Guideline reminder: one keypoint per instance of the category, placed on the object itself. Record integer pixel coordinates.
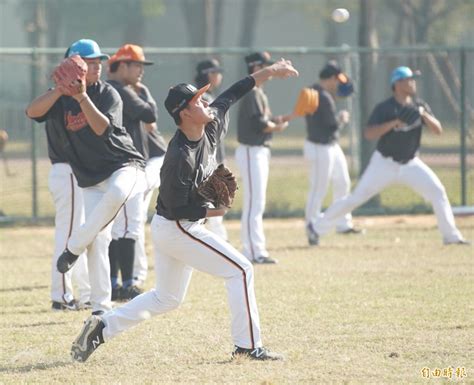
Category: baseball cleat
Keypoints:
(117, 293)
(458, 242)
(351, 230)
(98, 312)
(260, 354)
(63, 306)
(88, 340)
(313, 237)
(130, 292)
(66, 261)
(264, 261)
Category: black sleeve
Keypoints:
(146, 95)
(136, 108)
(225, 100)
(255, 111)
(377, 116)
(111, 105)
(328, 108)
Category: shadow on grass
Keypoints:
(26, 311)
(36, 324)
(33, 367)
(23, 288)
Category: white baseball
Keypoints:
(340, 15)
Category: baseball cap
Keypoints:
(403, 72)
(87, 49)
(208, 66)
(130, 52)
(258, 58)
(331, 69)
(180, 96)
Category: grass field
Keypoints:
(375, 308)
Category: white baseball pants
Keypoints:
(102, 203)
(254, 165)
(69, 215)
(152, 175)
(179, 247)
(216, 225)
(382, 172)
(327, 165)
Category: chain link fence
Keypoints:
(447, 84)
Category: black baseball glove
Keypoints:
(409, 114)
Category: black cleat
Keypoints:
(63, 306)
(117, 293)
(260, 354)
(66, 261)
(313, 237)
(130, 292)
(351, 230)
(264, 261)
(98, 312)
(88, 340)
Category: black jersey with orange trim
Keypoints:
(93, 158)
(187, 163)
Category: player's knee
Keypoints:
(170, 302)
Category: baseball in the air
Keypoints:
(340, 15)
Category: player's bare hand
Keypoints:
(150, 127)
(343, 116)
(281, 126)
(284, 69)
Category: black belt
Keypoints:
(401, 161)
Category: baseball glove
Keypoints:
(70, 76)
(219, 188)
(409, 114)
(307, 103)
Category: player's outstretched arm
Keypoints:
(96, 119)
(43, 103)
(281, 69)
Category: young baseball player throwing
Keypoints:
(397, 124)
(190, 174)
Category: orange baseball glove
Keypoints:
(307, 103)
(70, 76)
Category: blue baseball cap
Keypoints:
(87, 49)
(401, 73)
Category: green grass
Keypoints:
(376, 308)
(286, 193)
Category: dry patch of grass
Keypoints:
(373, 308)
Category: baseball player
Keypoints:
(255, 128)
(397, 124)
(321, 149)
(69, 215)
(88, 116)
(210, 72)
(126, 69)
(181, 241)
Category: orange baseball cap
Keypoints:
(130, 52)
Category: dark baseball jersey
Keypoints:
(187, 163)
(155, 142)
(399, 145)
(56, 139)
(253, 117)
(322, 127)
(136, 111)
(220, 153)
(93, 158)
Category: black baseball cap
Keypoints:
(332, 69)
(258, 58)
(180, 96)
(208, 66)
